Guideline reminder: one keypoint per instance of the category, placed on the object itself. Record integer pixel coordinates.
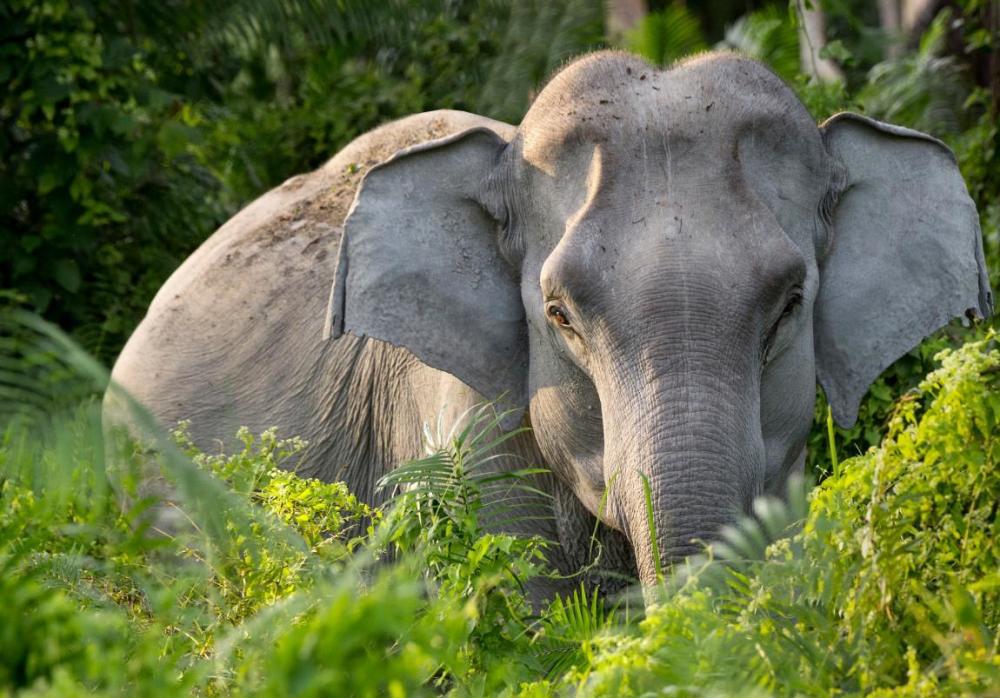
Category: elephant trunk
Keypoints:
(684, 456)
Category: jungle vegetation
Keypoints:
(131, 130)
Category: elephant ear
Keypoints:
(420, 267)
(906, 255)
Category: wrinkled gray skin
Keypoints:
(653, 268)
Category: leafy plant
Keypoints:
(103, 182)
(665, 36)
(924, 89)
(439, 514)
(887, 583)
(769, 36)
(244, 585)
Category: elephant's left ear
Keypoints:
(906, 255)
(420, 267)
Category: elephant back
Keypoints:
(234, 337)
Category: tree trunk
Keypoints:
(890, 16)
(621, 16)
(812, 39)
(912, 12)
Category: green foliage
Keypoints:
(316, 510)
(103, 187)
(291, 109)
(877, 406)
(389, 640)
(924, 89)
(252, 587)
(916, 519)
(978, 153)
(768, 36)
(887, 584)
(569, 626)
(437, 515)
(50, 646)
(665, 36)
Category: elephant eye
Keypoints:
(793, 302)
(557, 314)
(781, 333)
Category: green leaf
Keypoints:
(665, 36)
(66, 272)
(837, 51)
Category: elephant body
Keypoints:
(650, 271)
(235, 338)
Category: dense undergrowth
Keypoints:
(265, 583)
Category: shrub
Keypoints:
(243, 592)
(102, 185)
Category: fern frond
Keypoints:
(665, 36)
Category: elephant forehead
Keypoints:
(704, 105)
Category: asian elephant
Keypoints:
(652, 270)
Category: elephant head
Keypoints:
(658, 266)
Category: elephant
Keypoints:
(652, 272)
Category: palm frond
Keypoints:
(729, 562)
(535, 38)
(464, 468)
(665, 36)
(772, 520)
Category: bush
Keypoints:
(103, 187)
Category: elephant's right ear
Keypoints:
(420, 268)
(906, 255)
